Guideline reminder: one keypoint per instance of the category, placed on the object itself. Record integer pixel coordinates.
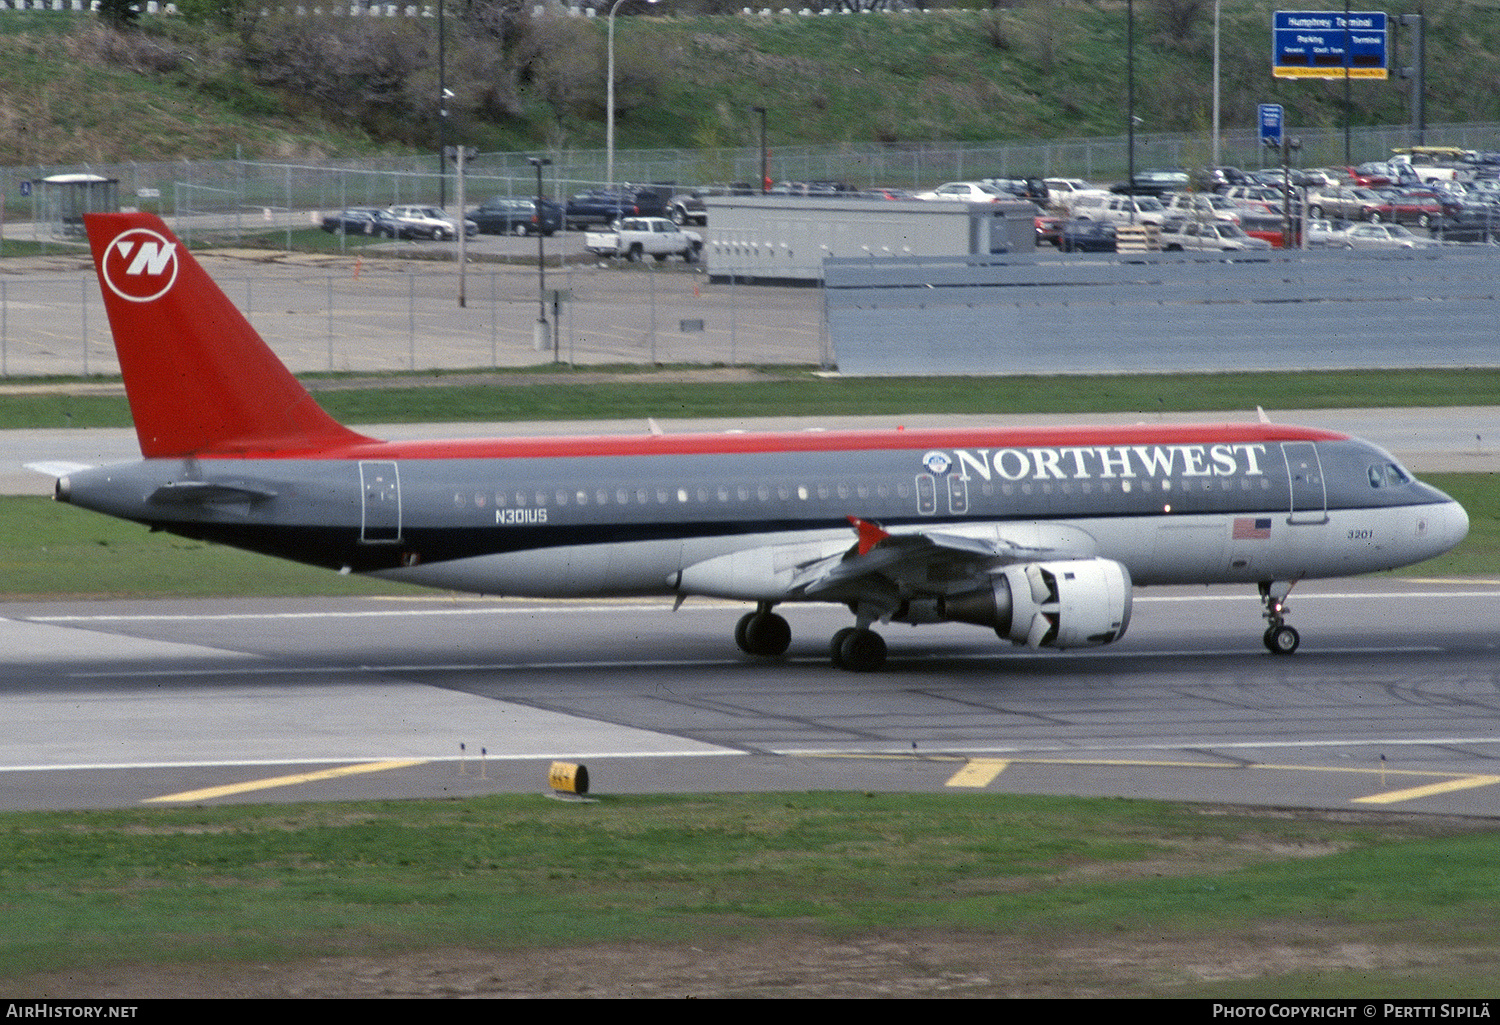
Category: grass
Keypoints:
(554, 394)
(48, 550)
(266, 885)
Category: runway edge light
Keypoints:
(567, 778)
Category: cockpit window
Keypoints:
(1387, 475)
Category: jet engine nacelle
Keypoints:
(1073, 603)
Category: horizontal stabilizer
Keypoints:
(58, 468)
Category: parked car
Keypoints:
(1270, 227)
(1085, 236)
(517, 215)
(1200, 206)
(1342, 203)
(822, 187)
(1374, 174)
(638, 237)
(1153, 183)
(1242, 195)
(1414, 206)
(1207, 236)
(428, 222)
(1382, 236)
(1033, 189)
(362, 220)
(1326, 233)
(1479, 223)
(605, 206)
(1216, 179)
(1106, 206)
(1048, 229)
(1060, 191)
(687, 208)
(965, 192)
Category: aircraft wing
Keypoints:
(884, 567)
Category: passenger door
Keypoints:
(1308, 492)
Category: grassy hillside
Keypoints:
(305, 87)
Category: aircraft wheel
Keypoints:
(862, 651)
(740, 630)
(763, 633)
(836, 646)
(1282, 640)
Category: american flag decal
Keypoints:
(1246, 529)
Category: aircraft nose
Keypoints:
(1451, 525)
(1458, 522)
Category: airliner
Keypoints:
(1039, 535)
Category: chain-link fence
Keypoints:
(370, 319)
(255, 197)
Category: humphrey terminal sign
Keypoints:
(1329, 44)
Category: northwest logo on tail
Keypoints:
(139, 265)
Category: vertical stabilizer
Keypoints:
(199, 378)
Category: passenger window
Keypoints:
(926, 494)
(958, 494)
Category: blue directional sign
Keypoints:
(1321, 44)
(1272, 117)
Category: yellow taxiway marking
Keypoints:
(981, 772)
(207, 793)
(1431, 789)
(978, 772)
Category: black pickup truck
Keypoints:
(605, 206)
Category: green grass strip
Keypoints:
(577, 394)
(232, 886)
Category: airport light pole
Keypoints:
(1130, 102)
(765, 164)
(541, 336)
(609, 102)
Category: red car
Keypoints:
(1422, 207)
(1049, 230)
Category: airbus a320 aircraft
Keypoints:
(1038, 535)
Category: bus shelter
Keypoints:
(65, 198)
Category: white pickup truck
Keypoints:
(638, 237)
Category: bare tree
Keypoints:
(1178, 18)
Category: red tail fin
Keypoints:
(199, 378)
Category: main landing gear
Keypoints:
(764, 633)
(1279, 638)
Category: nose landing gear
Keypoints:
(1279, 638)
